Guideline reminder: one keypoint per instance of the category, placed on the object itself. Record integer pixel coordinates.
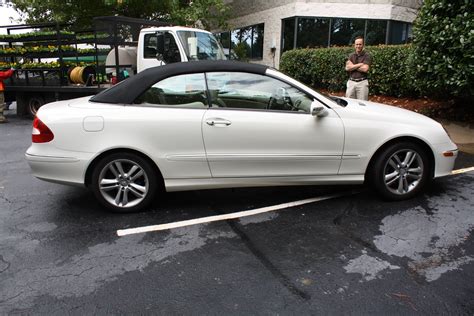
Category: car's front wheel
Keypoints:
(124, 182)
(400, 171)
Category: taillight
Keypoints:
(41, 133)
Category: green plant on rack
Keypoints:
(29, 35)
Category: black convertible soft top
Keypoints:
(130, 89)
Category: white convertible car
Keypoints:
(205, 125)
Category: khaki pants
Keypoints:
(358, 90)
(2, 106)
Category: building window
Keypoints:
(288, 36)
(312, 32)
(400, 32)
(344, 31)
(376, 32)
(326, 32)
(249, 39)
(257, 42)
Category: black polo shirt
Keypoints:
(364, 58)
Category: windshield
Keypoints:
(201, 46)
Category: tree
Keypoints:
(79, 13)
(444, 48)
(205, 14)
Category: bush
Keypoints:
(444, 48)
(390, 73)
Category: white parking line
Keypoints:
(458, 171)
(223, 217)
(208, 219)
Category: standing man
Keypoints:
(3, 75)
(358, 65)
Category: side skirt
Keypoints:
(220, 183)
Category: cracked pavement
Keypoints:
(59, 252)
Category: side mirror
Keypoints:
(319, 110)
(160, 44)
(167, 49)
(160, 47)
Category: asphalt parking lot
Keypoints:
(352, 254)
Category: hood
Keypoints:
(380, 122)
(381, 112)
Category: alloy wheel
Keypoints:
(123, 183)
(403, 171)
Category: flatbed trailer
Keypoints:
(33, 87)
(30, 98)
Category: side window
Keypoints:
(253, 91)
(161, 44)
(171, 51)
(150, 46)
(184, 91)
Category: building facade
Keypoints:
(264, 29)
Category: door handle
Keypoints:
(217, 121)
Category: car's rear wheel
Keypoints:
(400, 171)
(124, 182)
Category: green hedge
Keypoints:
(390, 72)
(444, 48)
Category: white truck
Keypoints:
(163, 45)
(126, 55)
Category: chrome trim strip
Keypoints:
(256, 157)
(37, 158)
(189, 158)
(259, 157)
(350, 156)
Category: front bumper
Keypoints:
(445, 164)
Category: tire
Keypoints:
(400, 171)
(124, 182)
(34, 103)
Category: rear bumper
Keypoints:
(64, 170)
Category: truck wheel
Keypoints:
(34, 103)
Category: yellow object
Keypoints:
(81, 74)
(76, 75)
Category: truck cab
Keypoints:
(164, 45)
(128, 45)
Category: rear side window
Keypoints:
(184, 91)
